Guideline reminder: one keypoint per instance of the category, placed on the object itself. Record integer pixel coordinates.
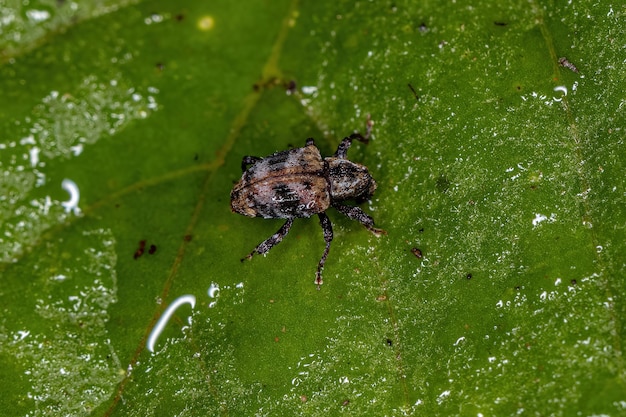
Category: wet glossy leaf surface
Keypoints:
(497, 291)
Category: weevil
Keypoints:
(299, 183)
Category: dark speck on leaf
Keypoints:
(443, 183)
(152, 249)
(140, 249)
(414, 92)
(291, 87)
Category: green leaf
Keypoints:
(498, 289)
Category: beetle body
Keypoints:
(284, 185)
(299, 183)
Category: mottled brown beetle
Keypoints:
(300, 183)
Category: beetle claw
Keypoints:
(378, 232)
(318, 280)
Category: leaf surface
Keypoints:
(498, 289)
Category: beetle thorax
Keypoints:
(349, 180)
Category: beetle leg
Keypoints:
(342, 149)
(355, 213)
(264, 247)
(327, 227)
(248, 160)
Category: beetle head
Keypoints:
(349, 180)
